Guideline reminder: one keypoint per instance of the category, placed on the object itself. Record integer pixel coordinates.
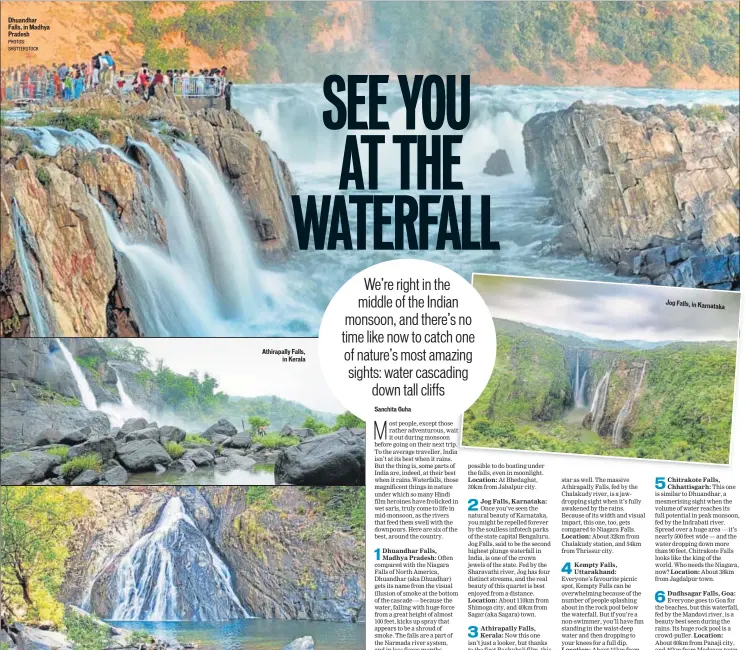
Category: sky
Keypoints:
(612, 311)
(243, 371)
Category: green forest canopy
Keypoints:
(448, 37)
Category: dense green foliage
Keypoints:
(348, 420)
(451, 37)
(36, 524)
(276, 440)
(174, 449)
(683, 411)
(337, 508)
(86, 632)
(80, 464)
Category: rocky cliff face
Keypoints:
(68, 274)
(645, 189)
(283, 563)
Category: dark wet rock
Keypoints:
(142, 455)
(498, 164)
(199, 457)
(241, 440)
(335, 459)
(133, 424)
(104, 447)
(636, 179)
(25, 467)
(222, 428)
(173, 434)
(115, 476)
(87, 477)
(183, 466)
(150, 433)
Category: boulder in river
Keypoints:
(87, 477)
(221, 427)
(142, 455)
(182, 466)
(498, 164)
(173, 434)
(303, 643)
(240, 440)
(334, 459)
(133, 424)
(115, 475)
(23, 467)
(104, 447)
(199, 457)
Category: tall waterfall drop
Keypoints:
(598, 405)
(84, 388)
(173, 574)
(37, 307)
(617, 436)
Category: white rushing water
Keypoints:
(598, 405)
(617, 436)
(209, 281)
(84, 388)
(35, 301)
(229, 250)
(117, 413)
(146, 577)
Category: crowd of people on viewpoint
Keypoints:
(68, 82)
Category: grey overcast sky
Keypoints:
(242, 370)
(612, 311)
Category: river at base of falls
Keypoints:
(255, 633)
(260, 476)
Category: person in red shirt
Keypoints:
(157, 79)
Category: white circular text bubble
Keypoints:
(407, 336)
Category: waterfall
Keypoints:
(166, 300)
(230, 252)
(183, 239)
(598, 405)
(36, 303)
(84, 388)
(617, 436)
(576, 383)
(287, 205)
(174, 574)
(581, 394)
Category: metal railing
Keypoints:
(28, 91)
(198, 86)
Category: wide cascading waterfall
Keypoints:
(183, 237)
(38, 310)
(174, 574)
(598, 405)
(84, 388)
(166, 300)
(617, 436)
(230, 252)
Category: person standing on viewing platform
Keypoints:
(227, 93)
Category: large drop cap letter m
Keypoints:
(379, 434)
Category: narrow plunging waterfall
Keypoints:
(84, 388)
(576, 383)
(617, 436)
(230, 252)
(36, 303)
(287, 205)
(174, 574)
(598, 405)
(581, 395)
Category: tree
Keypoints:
(257, 422)
(37, 523)
(317, 426)
(349, 420)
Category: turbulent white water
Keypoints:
(209, 283)
(598, 405)
(285, 200)
(84, 388)
(35, 301)
(289, 117)
(617, 436)
(229, 250)
(146, 576)
(117, 413)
